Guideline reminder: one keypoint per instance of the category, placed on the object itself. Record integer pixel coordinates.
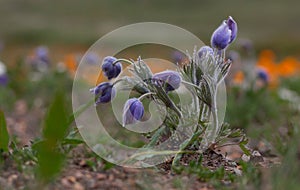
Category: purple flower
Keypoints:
(111, 70)
(42, 54)
(263, 75)
(3, 80)
(133, 111)
(169, 79)
(224, 34)
(205, 50)
(92, 58)
(178, 56)
(105, 92)
(3, 75)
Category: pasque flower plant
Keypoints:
(202, 76)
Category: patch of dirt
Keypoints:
(79, 174)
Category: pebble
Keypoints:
(101, 176)
(78, 186)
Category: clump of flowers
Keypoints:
(201, 76)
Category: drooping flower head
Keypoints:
(111, 70)
(169, 79)
(133, 111)
(104, 91)
(224, 34)
(204, 50)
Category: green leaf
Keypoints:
(244, 148)
(50, 161)
(50, 158)
(72, 141)
(4, 137)
(56, 120)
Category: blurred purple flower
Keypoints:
(204, 50)
(111, 70)
(92, 58)
(133, 111)
(3, 80)
(263, 75)
(246, 45)
(177, 56)
(3, 75)
(224, 34)
(42, 54)
(104, 91)
(233, 56)
(169, 79)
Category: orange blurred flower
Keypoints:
(71, 63)
(238, 78)
(286, 68)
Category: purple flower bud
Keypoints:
(205, 50)
(169, 79)
(263, 75)
(224, 34)
(133, 111)
(111, 70)
(104, 91)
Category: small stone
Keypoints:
(237, 171)
(88, 176)
(11, 178)
(78, 175)
(82, 163)
(72, 179)
(101, 176)
(256, 157)
(245, 158)
(91, 184)
(78, 186)
(111, 177)
(65, 182)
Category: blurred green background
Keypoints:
(270, 24)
